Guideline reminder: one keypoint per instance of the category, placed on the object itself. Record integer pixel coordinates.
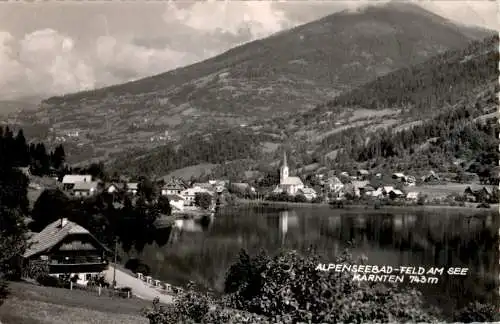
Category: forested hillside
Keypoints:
(217, 147)
(440, 111)
(451, 103)
(439, 82)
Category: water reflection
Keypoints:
(203, 252)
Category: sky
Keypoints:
(51, 48)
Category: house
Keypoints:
(412, 195)
(69, 249)
(204, 185)
(84, 189)
(363, 174)
(410, 181)
(359, 187)
(25, 170)
(387, 189)
(382, 192)
(221, 185)
(173, 187)
(309, 193)
(432, 176)
(132, 187)
(189, 194)
(368, 190)
(481, 195)
(396, 193)
(469, 195)
(176, 202)
(114, 187)
(69, 180)
(333, 184)
(289, 185)
(399, 176)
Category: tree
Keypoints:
(147, 189)
(13, 240)
(164, 205)
(300, 198)
(203, 200)
(58, 157)
(21, 150)
(51, 205)
(478, 313)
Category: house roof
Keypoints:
(175, 183)
(205, 185)
(240, 185)
(308, 191)
(74, 178)
(193, 191)
(362, 171)
(85, 186)
(333, 180)
(117, 185)
(52, 235)
(397, 192)
(132, 185)
(399, 174)
(292, 181)
(360, 184)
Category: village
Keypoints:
(75, 256)
(322, 187)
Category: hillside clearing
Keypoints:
(435, 191)
(195, 171)
(31, 304)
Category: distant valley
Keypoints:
(290, 72)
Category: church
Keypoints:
(290, 185)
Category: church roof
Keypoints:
(292, 181)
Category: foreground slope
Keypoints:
(449, 96)
(288, 72)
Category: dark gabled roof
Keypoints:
(53, 234)
(175, 183)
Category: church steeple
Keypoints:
(284, 170)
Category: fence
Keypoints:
(160, 285)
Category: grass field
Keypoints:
(444, 190)
(31, 304)
(191, 171)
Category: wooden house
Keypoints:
(69, 250)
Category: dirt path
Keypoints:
(139, 288)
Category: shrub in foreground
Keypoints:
(287, 289)
(289, 285)
(477, 313)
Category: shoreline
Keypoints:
(242, 201)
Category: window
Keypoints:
(88, 276)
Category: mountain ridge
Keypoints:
(464, 93)
(289, 72)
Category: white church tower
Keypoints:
(284, 170)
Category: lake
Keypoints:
(437, 238)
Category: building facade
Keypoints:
(70, 251)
